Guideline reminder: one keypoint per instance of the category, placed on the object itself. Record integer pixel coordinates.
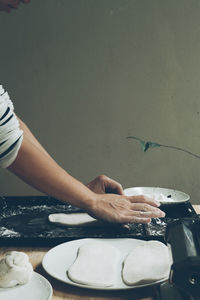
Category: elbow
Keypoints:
(11, 135)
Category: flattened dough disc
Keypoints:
(73, 219)
(96, 265)
(146, 263)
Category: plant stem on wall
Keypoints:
(148, 144)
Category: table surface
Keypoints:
(66, 292)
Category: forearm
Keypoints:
(38, 169)
(42, 172)
(29, 136)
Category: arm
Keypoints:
(31, 138)
(36, 167)
(100, 185)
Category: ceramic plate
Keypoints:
(38, 288)
(173, 195)
(57, 261)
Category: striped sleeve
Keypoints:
(11, 135)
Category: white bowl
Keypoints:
(174, 196)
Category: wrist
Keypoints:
(82, 197)
(90, 201)
(93, 203)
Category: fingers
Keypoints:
(143, 206)
(131, 219)
(144, 209)
(112, 186)
(148, 214)
(143, 199)
(140, 216)
(141, 211)
(119, 188)
(141, 220)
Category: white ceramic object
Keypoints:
(57, 261)
(38, 288)
(176, 196)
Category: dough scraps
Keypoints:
(15, 269)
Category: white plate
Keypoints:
(176, 196)
(57, 261)
(38, 288)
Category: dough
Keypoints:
(146, 263)
(96, 265)
(15, 268)
(74, 219)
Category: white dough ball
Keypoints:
(15, 269)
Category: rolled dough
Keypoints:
(74, 219)
(96, 265)
(15, 268)
(146, 263)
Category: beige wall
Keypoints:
(84, 74)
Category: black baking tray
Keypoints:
(24, 222)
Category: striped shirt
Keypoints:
(11, 135)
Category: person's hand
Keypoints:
(123, 209)
(7, 5)
(103, 184)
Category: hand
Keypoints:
(103, 184)
(123, 209)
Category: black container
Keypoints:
(24, 222)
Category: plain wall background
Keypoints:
(84, 74)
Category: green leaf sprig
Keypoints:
(145, 145)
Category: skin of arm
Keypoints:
(29, 136)
(36, 167)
